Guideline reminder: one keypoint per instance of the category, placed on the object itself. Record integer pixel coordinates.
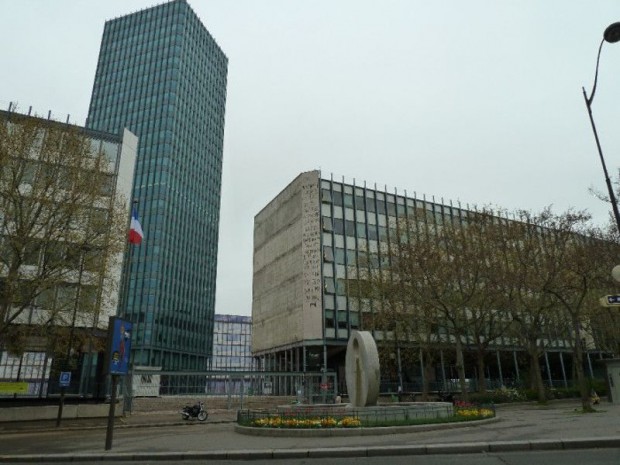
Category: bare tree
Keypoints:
(61, 230)
(579, 271)
(523, 275)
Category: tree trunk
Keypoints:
(586, 404)
(428, 372)
(482, 381)
(537, 381)
(460, 368)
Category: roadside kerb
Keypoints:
(335, 452)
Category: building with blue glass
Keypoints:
(162, 75)
(232, 345)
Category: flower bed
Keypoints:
(471, 411)
(326, 422)
(305, 420)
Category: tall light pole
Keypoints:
(611, 35)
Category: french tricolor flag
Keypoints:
(135, 229)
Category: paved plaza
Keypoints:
(528, 426)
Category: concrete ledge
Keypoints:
(509, 446)
(50, 412)
(387, 451)
(587, 443)
(211, 455)
(546, 444)
(463, 448)
(337, 452)
(290, 453)
(249, 454)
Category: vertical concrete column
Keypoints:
(443, 370)
(563, 370)
(514, 357)
(548, 369)
(499, 367)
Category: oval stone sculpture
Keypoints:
(362, 369)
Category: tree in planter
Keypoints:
(61, 231)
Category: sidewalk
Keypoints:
(138, 420)
(558, 425)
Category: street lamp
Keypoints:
(611, 35)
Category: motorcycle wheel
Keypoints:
(185, 416)
(202, 416)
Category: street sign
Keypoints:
(610, 301)
(65, 379)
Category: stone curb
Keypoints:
(335, 452)
(366, 431)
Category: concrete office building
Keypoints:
(163, 76)
(79, 298)
(307, 244)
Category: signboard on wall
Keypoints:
(119, 346)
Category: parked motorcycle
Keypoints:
(194, 411)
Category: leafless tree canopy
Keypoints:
(58, 214)
(487, 279)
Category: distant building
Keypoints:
(232, 343)
(162, 75)
(77, 295)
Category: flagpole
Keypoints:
(124, 304)
(127, 272)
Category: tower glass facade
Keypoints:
(161, 75)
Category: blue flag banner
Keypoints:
(119, 338)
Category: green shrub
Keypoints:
(498, 396)
(599, 386)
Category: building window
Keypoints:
(328, 254)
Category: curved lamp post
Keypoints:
(611, 35)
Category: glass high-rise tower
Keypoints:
(162, 75)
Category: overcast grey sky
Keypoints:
(475, 101)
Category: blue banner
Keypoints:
(119, 333)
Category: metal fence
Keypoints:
(307, 388)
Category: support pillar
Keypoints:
(499, 367)
(548, 370)
(563, 370)
(514, 357)
(443, 371)
(590, 364)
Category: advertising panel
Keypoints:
(119, 346)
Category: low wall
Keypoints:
(50, 412)
(174, 403)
